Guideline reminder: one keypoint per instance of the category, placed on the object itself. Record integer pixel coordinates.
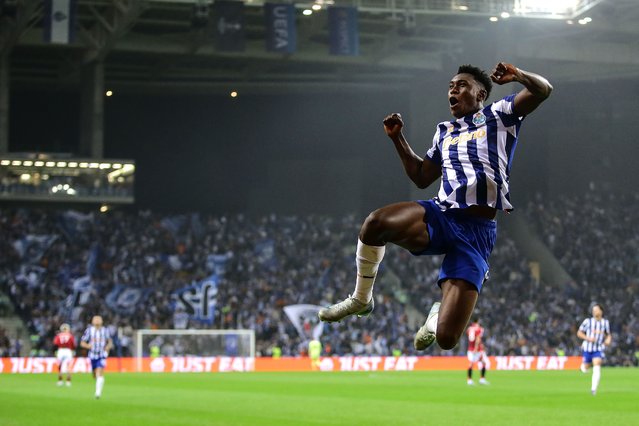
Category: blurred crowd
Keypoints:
(595, 237)
(8, 346)
(64, 266)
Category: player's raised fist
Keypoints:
(393, 124)
(504, 73)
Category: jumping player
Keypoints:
(476, 352)
(472, 154)
(595, 333)
(65, 344)
(97, 340)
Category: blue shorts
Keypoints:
(588, 356)
(98, 363)
(466, 241)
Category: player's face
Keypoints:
(96, 321)
(597, 312)
(465, 95)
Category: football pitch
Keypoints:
(386, 398)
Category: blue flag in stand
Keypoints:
(229, 26)
(59, 21)
(198, 300)
(281, 31)
(343, 32)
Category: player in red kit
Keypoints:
(476, 352)
(65, 342)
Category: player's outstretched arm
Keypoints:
(536, 88)
(421, 172)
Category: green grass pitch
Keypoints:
(388, 398)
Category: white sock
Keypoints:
(99, 384)
(596, 375)
(368, 259)
(431, 324)
(583, 368)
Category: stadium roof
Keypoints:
(154, 45)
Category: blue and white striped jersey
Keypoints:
(598, 329)
(98, 338)
(475, 153)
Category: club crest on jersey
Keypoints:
(479, 119)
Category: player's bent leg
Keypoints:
(402, 224)
(458, 301)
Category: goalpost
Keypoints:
(197, 343)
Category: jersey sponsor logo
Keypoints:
(464, 137)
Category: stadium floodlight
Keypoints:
(553, 9)
(534, 9)
(548, 6)
(196, 343)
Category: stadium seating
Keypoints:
(269, 262)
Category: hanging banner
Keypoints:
(343, 32)
(305, 320)
(59, 21)
(281, 31)
(229, 26)
(198, 300)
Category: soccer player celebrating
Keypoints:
(472, 154)
(595, 333)
(65, 342)
(97, 340)
(476, 352)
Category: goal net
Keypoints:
(198, 343)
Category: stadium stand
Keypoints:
(62, 266)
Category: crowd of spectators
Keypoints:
(9, 346)
(266, 263)
(595, 237)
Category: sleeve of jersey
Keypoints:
(584, 326)
(504, 108)
(86, 336)
(434, 154)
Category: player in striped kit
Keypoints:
(472, 154)
(595, 333)
(97, 340)
(476, 352)
(65, 342)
